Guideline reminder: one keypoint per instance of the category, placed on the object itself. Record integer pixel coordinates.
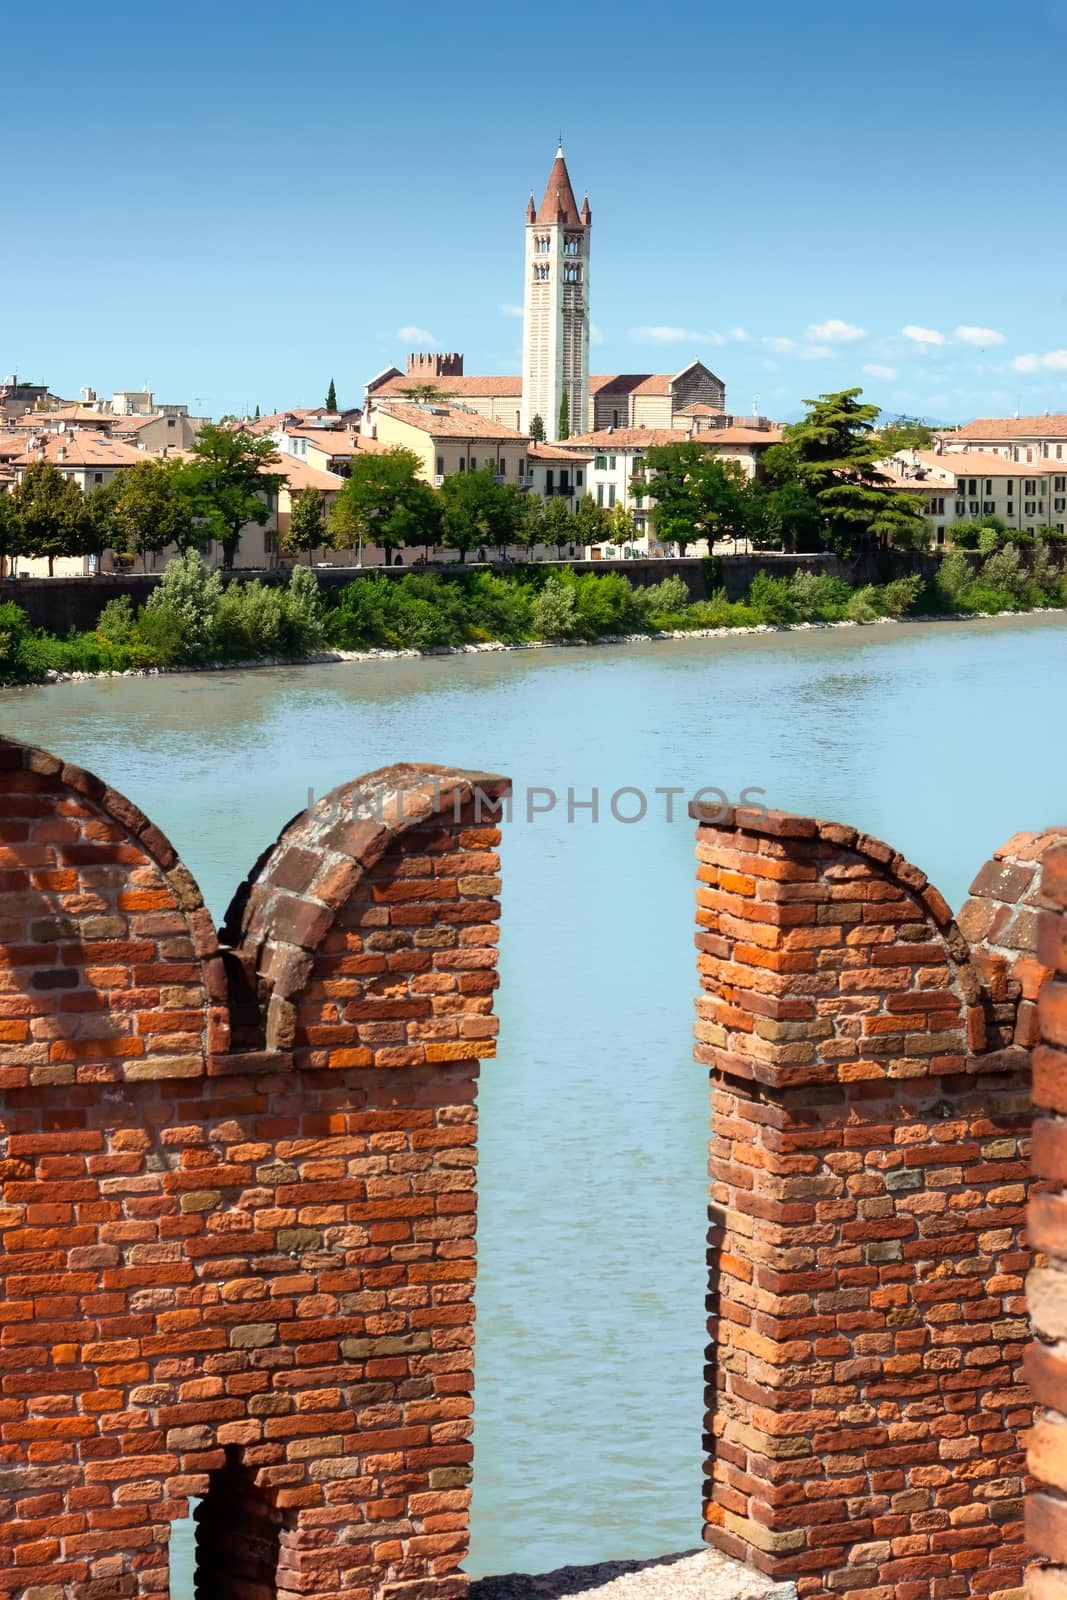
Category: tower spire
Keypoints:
(559, 204)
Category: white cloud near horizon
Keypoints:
(412, 334)
(779, 343)
(664, 333)
(814, 352)
(968, 333)
(512, 311)
(835, 331)
(1053, 360)
(875, 369)
(596, 335)
(919, 335)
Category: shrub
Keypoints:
(555, 610)
(899, 597)
(248, 621)
(818, 596)
(954, 578)
(117, 624)
(607, 604)
(667, 599)
(192, 594)
(498, 608)
(162, 630)
(14, 633)
(303, 613)
(769, 599)
(1004, 571)
(862, 604)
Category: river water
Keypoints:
(593, 1118)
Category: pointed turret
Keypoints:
(531, 209)
(559, 204)
(587, 215)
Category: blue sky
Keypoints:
(237, 201)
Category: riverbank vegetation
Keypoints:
(195, 618)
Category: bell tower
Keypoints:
(555, 333)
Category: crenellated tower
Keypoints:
(555, 342)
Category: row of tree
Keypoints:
(155, 504)
(820, 488)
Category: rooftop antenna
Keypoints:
(755, 405)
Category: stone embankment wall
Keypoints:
(869, 1061)
(1046, 1359)
(237, 1202)
(60, 604)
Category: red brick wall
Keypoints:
(870, 1122)
(1046, 1363)
(241, 1273)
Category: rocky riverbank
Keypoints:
(334, 657)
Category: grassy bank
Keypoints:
(191, 619)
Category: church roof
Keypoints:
(559, 204)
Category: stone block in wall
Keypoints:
(869, 1165)
(1047, 1357)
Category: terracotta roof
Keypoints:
(556, 452)
(333, 441)
(298, 475)
(559, 204)
(636, 438)
(739, 435)
(445, 422)
(11, 445)
(701, 411)
(44, 420)
(456, 388)
(1048, 426)
(977, 464)
(641, 382)
(82, 449)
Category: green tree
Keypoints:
(50, 512)
(229, 481)
(537, 429)
(591, 522)
(696, 495)
(904, 433)
(836, 453)
(154, 508)
(307, 522)
(783, 514)
(10, 534)
(620, 526)
(101, 531)
(385, 502)
(531, 530)
(256, 417)
(564, 431)
(560, 524)
(331, 397)
(479, 511)
(427, 394)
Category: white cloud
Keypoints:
(876, 370)
(814, 352)
(773, 342)
(596, 335)
(1053, 359)
(836, 331)
(665, 334)
(967, 333)
(411, 334)
(919, 335)
(512, 311)
(740, 335)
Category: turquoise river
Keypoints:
(940, 738)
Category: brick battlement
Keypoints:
(237, 1211)
(869, 1067)
(237, 1199)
